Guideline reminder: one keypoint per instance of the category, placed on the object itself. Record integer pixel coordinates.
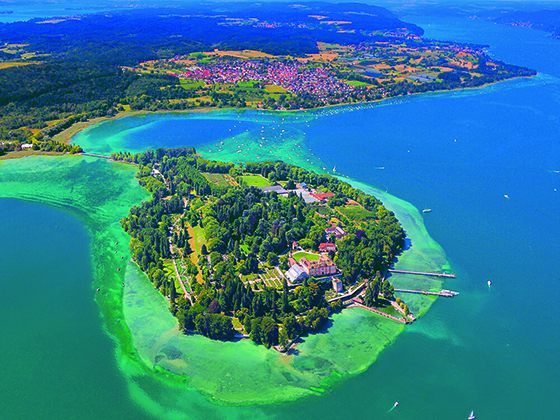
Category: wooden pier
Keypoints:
(442, 293)
(423, 273)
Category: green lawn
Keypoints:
(355, 213)
(310, 256)
(255, 181)
(198, 238)
(356, 83)
(244, 248)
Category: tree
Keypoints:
(203, 249)
(272, 259)
(291, 326)
(269, 331)
(172, 290)
(372, 292)
(283, 339)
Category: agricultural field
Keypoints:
(258, 181)
(221, 180)
(189, 84)
(9, 64)
(355, 213)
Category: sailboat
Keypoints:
(471, 416)
(334, 168)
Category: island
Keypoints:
(61, 74)
(265, 251)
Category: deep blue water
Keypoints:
(459, 154)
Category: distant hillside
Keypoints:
(278, 28)
(545, 20)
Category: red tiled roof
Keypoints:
(322, 196)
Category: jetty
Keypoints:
(378, 312)
(99, 156)
(423, 273)
(96, 155)
(442, 293)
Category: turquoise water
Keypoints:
(491, 350)
(57, 362)
(459, 154)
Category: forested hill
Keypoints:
(275, 28)
(216, 238)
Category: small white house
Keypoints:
(26, 146)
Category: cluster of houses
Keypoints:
(295, 77)
(308, 194)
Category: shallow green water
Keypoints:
(148, 343)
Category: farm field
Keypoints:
(220, 180)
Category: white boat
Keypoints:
(471, 416)
(334, 168)
(427, 211)
(506, 196)
(489, 282)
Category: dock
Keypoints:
(443, 293)
(423, 273)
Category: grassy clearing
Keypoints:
(310, 256)
(274, 89)
(196, 240)
(355, 213)
(218, 179)
(255, 181)
(190, 84)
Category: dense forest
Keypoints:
(245, 229)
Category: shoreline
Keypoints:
(138, 355)
(67, 135)
(133, 350)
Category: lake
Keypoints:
(460, 154)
